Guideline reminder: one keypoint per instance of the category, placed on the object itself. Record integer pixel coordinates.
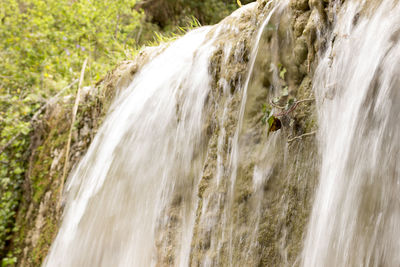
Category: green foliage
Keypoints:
(274, 124)
(168, 13)
(167, 37)
(9, 261)
(42, 46)
(282, 73)
(211, 11)
(266, 111)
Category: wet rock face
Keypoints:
(255, 194)
(242, 220)
(255, 213)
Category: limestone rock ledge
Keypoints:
(285, 202)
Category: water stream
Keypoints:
(355, 219)
(183, 173)
(132, 200)
(148, 149)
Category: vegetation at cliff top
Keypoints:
(43, 44)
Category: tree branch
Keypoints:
(301, 136)
(294, 106)
(74, 112)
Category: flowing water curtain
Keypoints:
(182, 172)
(132, 199)
(139, 157)
(356, 215)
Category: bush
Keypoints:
(42, 46)
(168, 13)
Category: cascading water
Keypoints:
(132, 199)
(356, 214)
(143, 158)
(184, 173)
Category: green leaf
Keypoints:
(290, 103)
(270, 27)
(266, 112)
(282, 73)
(25, 130)
(18, 170)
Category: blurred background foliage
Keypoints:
(43, 44)
(168, 13)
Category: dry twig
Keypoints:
(301, 136)
(74, 112)
(293, 107)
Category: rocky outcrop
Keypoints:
(236, 221)
(282, 163)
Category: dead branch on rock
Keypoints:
(302, 136)
(74, 112)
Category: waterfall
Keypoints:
(147, 150)
(183, 171)
(356, 214)
(132, 200)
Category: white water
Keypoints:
(356, 215)
(133, 200)
(138, 181)
(145, 152)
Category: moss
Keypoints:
(244, 181)
(300, 51)
(287, 193)
(301, 5)
(38, 217)
(300, 23)
(40, 251)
